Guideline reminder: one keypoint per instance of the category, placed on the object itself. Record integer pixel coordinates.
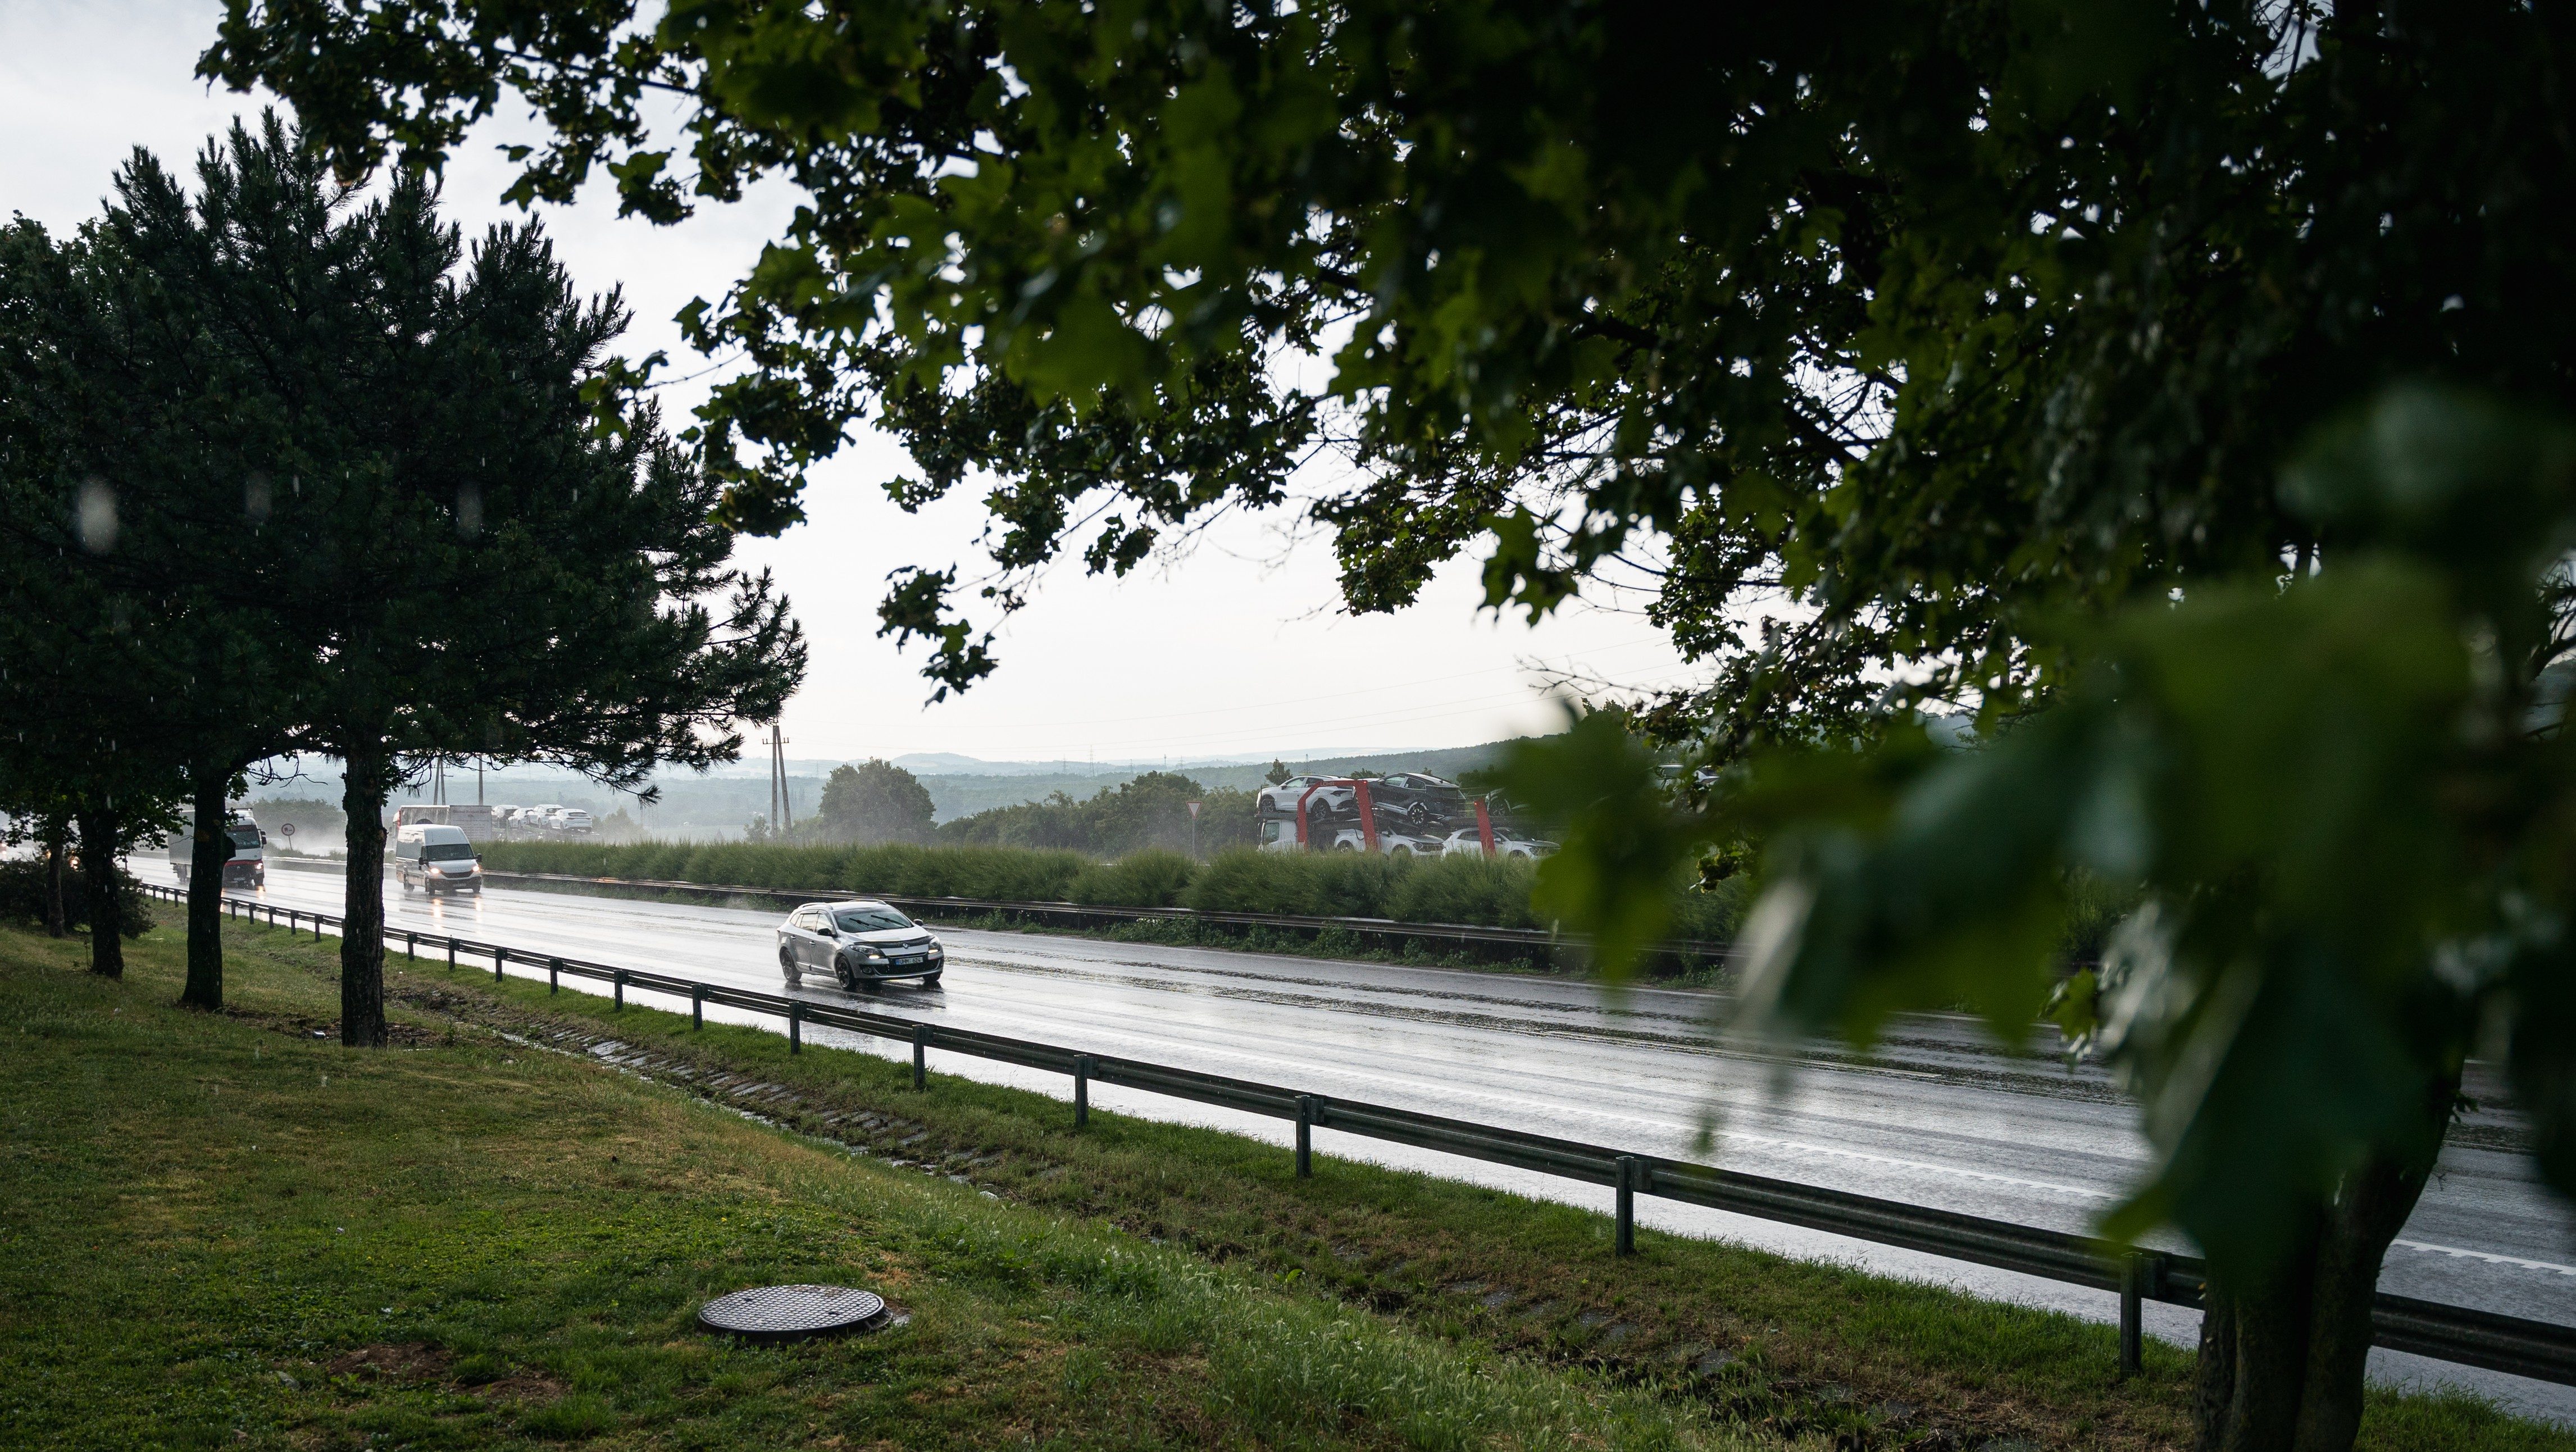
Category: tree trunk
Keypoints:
(57, 869)
(98, 844)
(213, 848)
(368, 780)
(2282, 1357)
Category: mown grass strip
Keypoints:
(221, 1231)
(1790, 1346)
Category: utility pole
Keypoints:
(779, 806)
(478, 781)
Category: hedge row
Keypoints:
(22, 896)
(1430, 890)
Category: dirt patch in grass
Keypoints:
(327, 1030)
(409, 1361)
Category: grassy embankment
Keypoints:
(218, 1231)
(1437, 890)
(540, 1227)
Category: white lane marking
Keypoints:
(1987, 1176)
(2461, 1253)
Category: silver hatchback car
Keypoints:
(857, 943)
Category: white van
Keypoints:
(436, 859)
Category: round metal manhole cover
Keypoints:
(783, 1313)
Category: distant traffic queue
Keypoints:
(1407, 814)
(482, 823)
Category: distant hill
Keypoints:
(959, 785)
(964, 795)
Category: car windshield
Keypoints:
(446, 851)
(245, 836)
(870, 920)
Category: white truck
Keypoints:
(247, 866)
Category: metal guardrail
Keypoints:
(2540, 1350)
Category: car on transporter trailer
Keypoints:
(859, 944)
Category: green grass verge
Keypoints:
(217, 1231)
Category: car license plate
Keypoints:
(904, 962)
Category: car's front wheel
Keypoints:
(930, 980)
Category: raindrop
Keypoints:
(97, 517)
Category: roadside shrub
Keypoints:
(2094, 909)
(1140, 879)
(1331, 884)
(22, 896)
(1243, 880)
(1712, 914)
(1463, 890)
(1001, 874)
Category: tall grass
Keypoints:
(1410, 890)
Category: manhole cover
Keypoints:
(784, 1313)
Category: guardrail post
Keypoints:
(2133, 1327)
(1305, 1136)
(697, 1005)
(554, 975)
(451, 955)
(1081, 1090)
(795, 1026)
(1624, 1238)
(921, 1056)
(411, 945)
(619, 978)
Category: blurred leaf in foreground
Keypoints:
(2349, 811)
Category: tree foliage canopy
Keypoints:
(875, 801)
(312, 473)
(1147, 812)
(1907, 315)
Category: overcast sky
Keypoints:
(1237, 647)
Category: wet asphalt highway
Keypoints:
(1938, 1116)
